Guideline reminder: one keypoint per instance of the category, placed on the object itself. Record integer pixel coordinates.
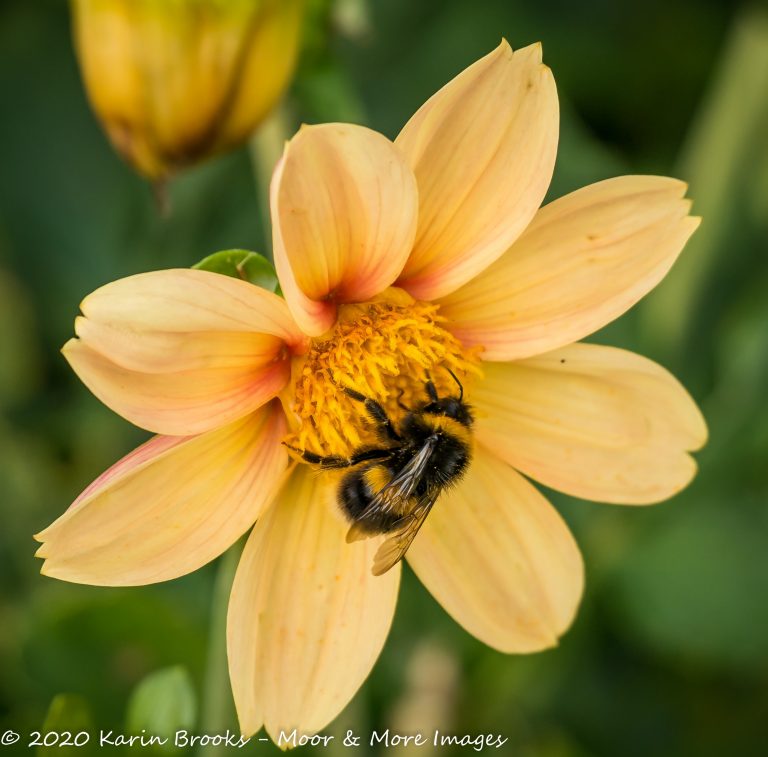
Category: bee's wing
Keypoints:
(398, 493)
(400, 489)
(394, 548)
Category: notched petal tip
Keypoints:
(503, 49)
(306, 619)
(534, 52)
(249, 730)
(501, 560)
(183, 352)
(68, 347)
(170, 506)
(483, 150)
(585, 259)
(609, 425)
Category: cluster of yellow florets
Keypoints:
(386, 350)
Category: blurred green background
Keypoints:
(669, 654)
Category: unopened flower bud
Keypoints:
(176, 81)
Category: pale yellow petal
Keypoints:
(180, 403)
(170, 506)
(585, 259)
(158, 352)
(186, 300)
(595, 422)
(483, 150)
(500, 560)
(312, 316)
(307, 619)
(183, 351)
(344, 207)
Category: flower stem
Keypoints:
(218, 710)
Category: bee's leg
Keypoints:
(337, 461)
(364, 455)
(400, 404)
(376, 411)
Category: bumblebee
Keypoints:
(391, 489)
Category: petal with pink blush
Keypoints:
(344, 205)
(170, 506)
(182, 300)
(483, 150)
(500, 560)
(585, 259)
(307, 619)
(183, 351)
(595, 422)
(184, 402)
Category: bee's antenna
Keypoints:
(461, 388)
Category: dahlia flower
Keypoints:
(396, 261)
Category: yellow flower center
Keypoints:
(386, 350)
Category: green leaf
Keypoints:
(163, 703)
(69, 714)
(241, 264)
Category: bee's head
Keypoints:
(450, 407)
